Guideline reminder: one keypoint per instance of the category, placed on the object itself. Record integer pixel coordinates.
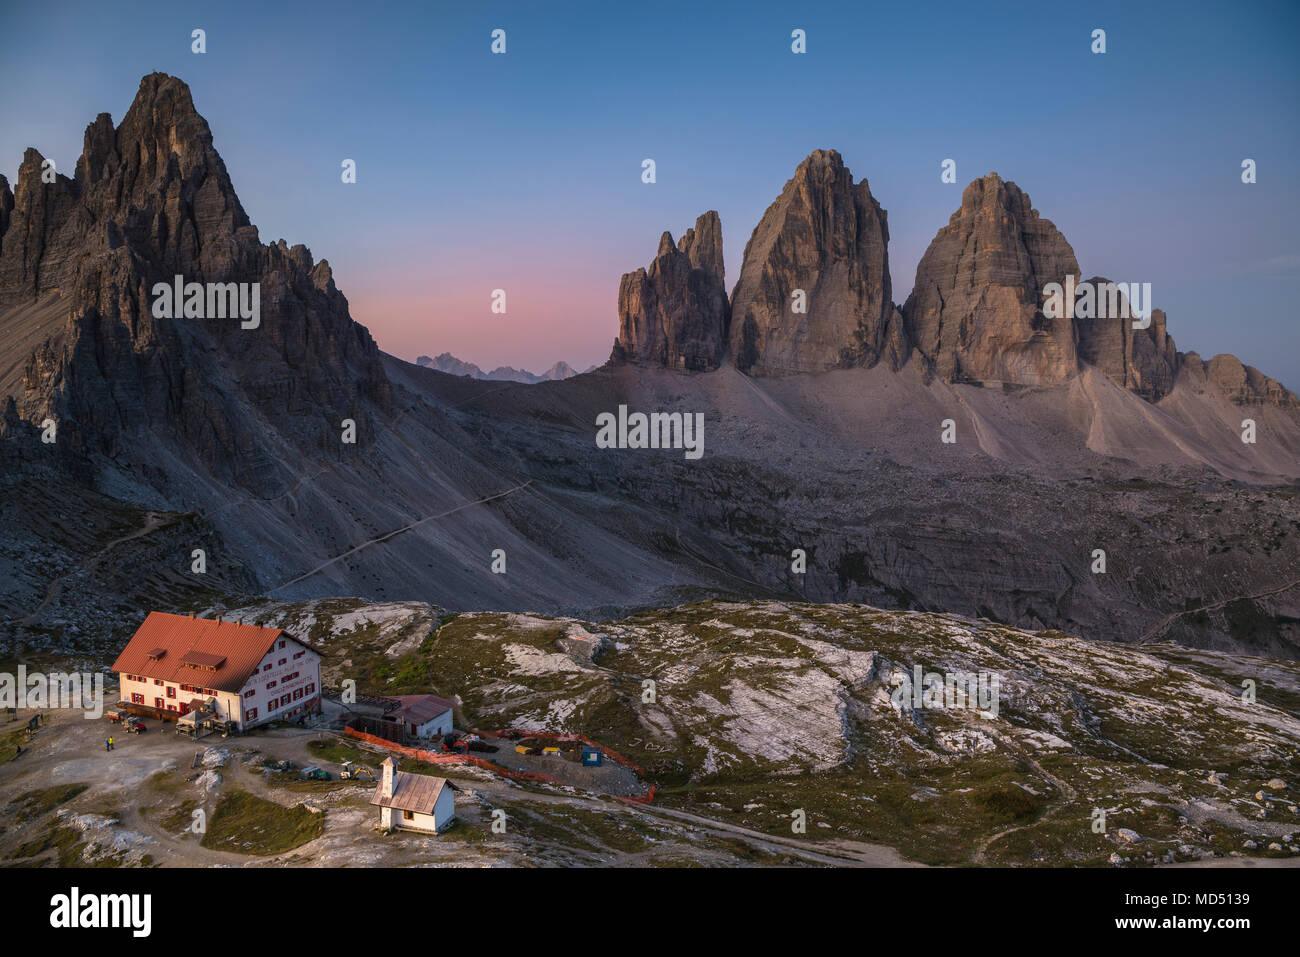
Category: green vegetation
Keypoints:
(408, 674)
(165, 782)
(762, 708)
(337, 750)
(247, 824)
(10, 741)
(179, 818)
(36, 803)
(1008, 803)
(65, 842)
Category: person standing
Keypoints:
(110, 742)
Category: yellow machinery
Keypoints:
(348, 771)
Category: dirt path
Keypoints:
(1064, 795)
(1168, 620)
(387, 535)
(835, 853)
(152, 521)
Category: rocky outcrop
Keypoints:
(675, 313)
(152, 200)
(826, 238)
(1144, 361)
(1243, 384)
(6, 208)
(32, 252)
(975, 312)
(702, 245)
(1154, 359)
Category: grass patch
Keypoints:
(1008, 802)
(181, 817)
(41, 802)
(165, 782)
(247, 824)
(68, 847)
(9, 742)
(64, 841)
(336, 751)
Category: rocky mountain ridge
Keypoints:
(448, 363)
(306, 463)
(814, 295)
(151, 200)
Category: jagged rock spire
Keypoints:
(828, 238)
(675, 313)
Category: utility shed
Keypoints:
(422, 715)
(413, 802)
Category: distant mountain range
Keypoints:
(305, 462)
(452, 366)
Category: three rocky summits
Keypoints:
(151, 199)
(975, 313)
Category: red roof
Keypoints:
(418, 709)
(224, 652)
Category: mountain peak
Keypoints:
(814, 288)
(152, 200)
(702, 244)
(975, 309)
(819, 157)
(448, 363)
(675, 312)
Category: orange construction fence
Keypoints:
(434, 757)
(550, 736)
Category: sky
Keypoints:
(522, 171)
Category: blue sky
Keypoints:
(522, 171)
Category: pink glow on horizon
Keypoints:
(446, 307)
